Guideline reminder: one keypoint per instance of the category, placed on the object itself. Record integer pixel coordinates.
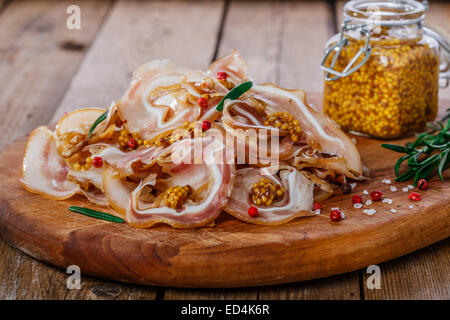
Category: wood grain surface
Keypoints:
(249, 255)
(23, 277)
(39, 56)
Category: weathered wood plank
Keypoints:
(99, 289)
(38, 56)
(181, 31)
(308, 26)
(211, 294)
(333, 288)
(282, 41)
(424, 274)
(439, 15)
(24, 277)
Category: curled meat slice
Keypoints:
(297, 200)
(262, 144)
(123, 162)
(233, 64)
(44, 171)
(211, 180)
(96, 196)
(322, 134)
(155, 101)
(79, 121)
(117, 190)
(72, 130)
(86, 178)
(306, 157)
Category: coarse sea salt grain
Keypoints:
(368, 202)
(405, 189)
(369, 212)
(393, 211)
(411, 207)
(357, 205)
(387, 181)
(387, 200)
(393, 189)
(365, 192)
(335, 208)
(342, 216)
(410, 186)
(317, 211)
(353, 185)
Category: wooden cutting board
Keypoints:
(233, 253)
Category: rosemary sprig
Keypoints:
(97, 122)
(96, 214)
(430, 151)
(235, 93)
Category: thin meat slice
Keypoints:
(155, 101)
(44, 171)
(322, 134)
(122, 162)
(233, 65)
(297, 200)
(215, 177)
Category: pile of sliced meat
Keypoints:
(164, 154)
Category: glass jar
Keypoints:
(382, 70)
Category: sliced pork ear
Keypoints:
(79, 121)
(117, 190)
(216, 181)
(233, 64)
(86, 178)
(72, 130)
(96, 196)
(123, 162)
(306, 157)
(237, 114)
(44, 171)
(263, 144)
(297, 200)
(155, 102)
(322, 134)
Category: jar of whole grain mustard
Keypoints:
(382, 71)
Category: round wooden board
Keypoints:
(233, 253)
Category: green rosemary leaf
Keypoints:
(235, 93)
(96, 122)
(399, 162)
(447, 125)
(443, 163)
(424, 171)
(96, 214)
(440, 146)
(420, 139)
(408, 174)
(433, 126)
(413, 160)
(431, 147)
(430, 159)
(395, 148)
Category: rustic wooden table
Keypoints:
(47, 69)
